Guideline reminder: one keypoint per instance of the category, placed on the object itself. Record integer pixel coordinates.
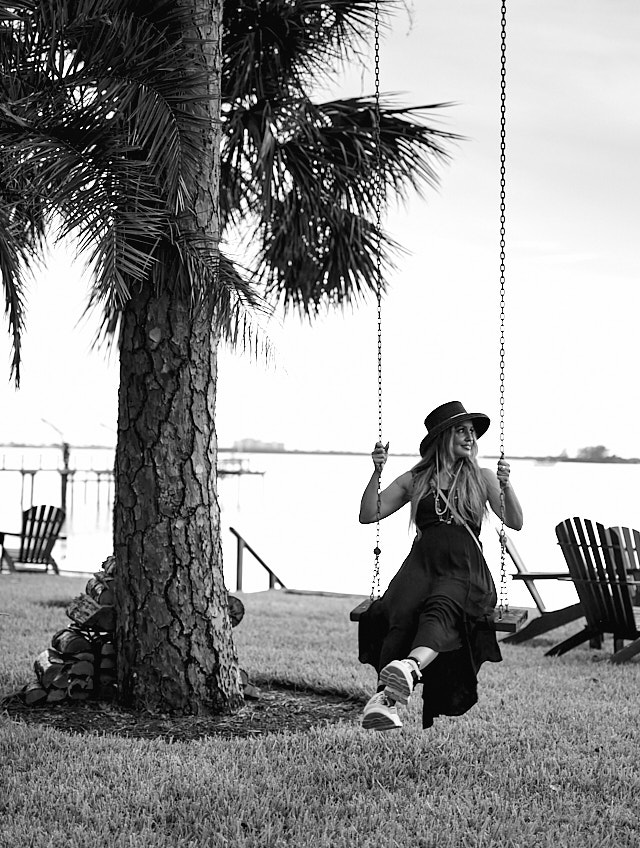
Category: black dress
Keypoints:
(440, 598)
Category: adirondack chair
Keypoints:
(546, 619)
(627, 541)
(41, 527)
(598, 568)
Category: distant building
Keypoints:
(258, 445)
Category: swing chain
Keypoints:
(503, 600)
(377, 190)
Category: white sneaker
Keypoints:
(380, 713)
(398, 680)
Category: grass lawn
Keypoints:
(549, 756)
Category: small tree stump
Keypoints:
(50, 667)
(236, 610)
(99, 589)
(90, 615)
(33, 693)
(109, 567)
(54, 695)
(71, 641)
(82, 668)
(248, 689)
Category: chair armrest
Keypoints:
(4, 533)
(542, 575)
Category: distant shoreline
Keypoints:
(543, 460)
(551, 460)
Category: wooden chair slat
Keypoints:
(609, 578)
(588, 571)
(41, 526)
(598, 560)
(577, 567)
(541, 575)
(630, 566)
(39, 538)
(620, 590)
(627, 545)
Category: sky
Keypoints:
(573, 264)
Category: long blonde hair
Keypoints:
(469, 491)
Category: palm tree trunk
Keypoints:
(174, 645)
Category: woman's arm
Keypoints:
(495, 483)
(396, 495)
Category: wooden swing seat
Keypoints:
(503, 620)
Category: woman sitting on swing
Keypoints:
(428, 625)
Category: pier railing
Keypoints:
(78, 487)
(274, 580)
(80, 484)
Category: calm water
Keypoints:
(301, 516)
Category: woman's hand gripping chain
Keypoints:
(504, 470)
(379, 456)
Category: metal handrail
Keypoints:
(241, 545)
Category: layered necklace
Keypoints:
(442, 503)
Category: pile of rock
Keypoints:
(81, 662)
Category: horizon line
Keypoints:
(265, 449)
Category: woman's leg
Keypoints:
(396, 683)
(403, 602)
(399, 677)
(438, 625)
(423, 656)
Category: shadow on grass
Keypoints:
(279, 709)
(56, 603)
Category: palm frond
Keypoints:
(276, 46)
(138, 68)
(312, 259)
(334, 144)
(342, 140)
(102, 118)
(237, 307)
(22, 228)
(313, 191)
(239, 310)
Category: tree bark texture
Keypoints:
(173, 637)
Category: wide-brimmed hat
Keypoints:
(448, 415)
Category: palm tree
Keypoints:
(110, 130)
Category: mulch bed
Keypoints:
(275, 711)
